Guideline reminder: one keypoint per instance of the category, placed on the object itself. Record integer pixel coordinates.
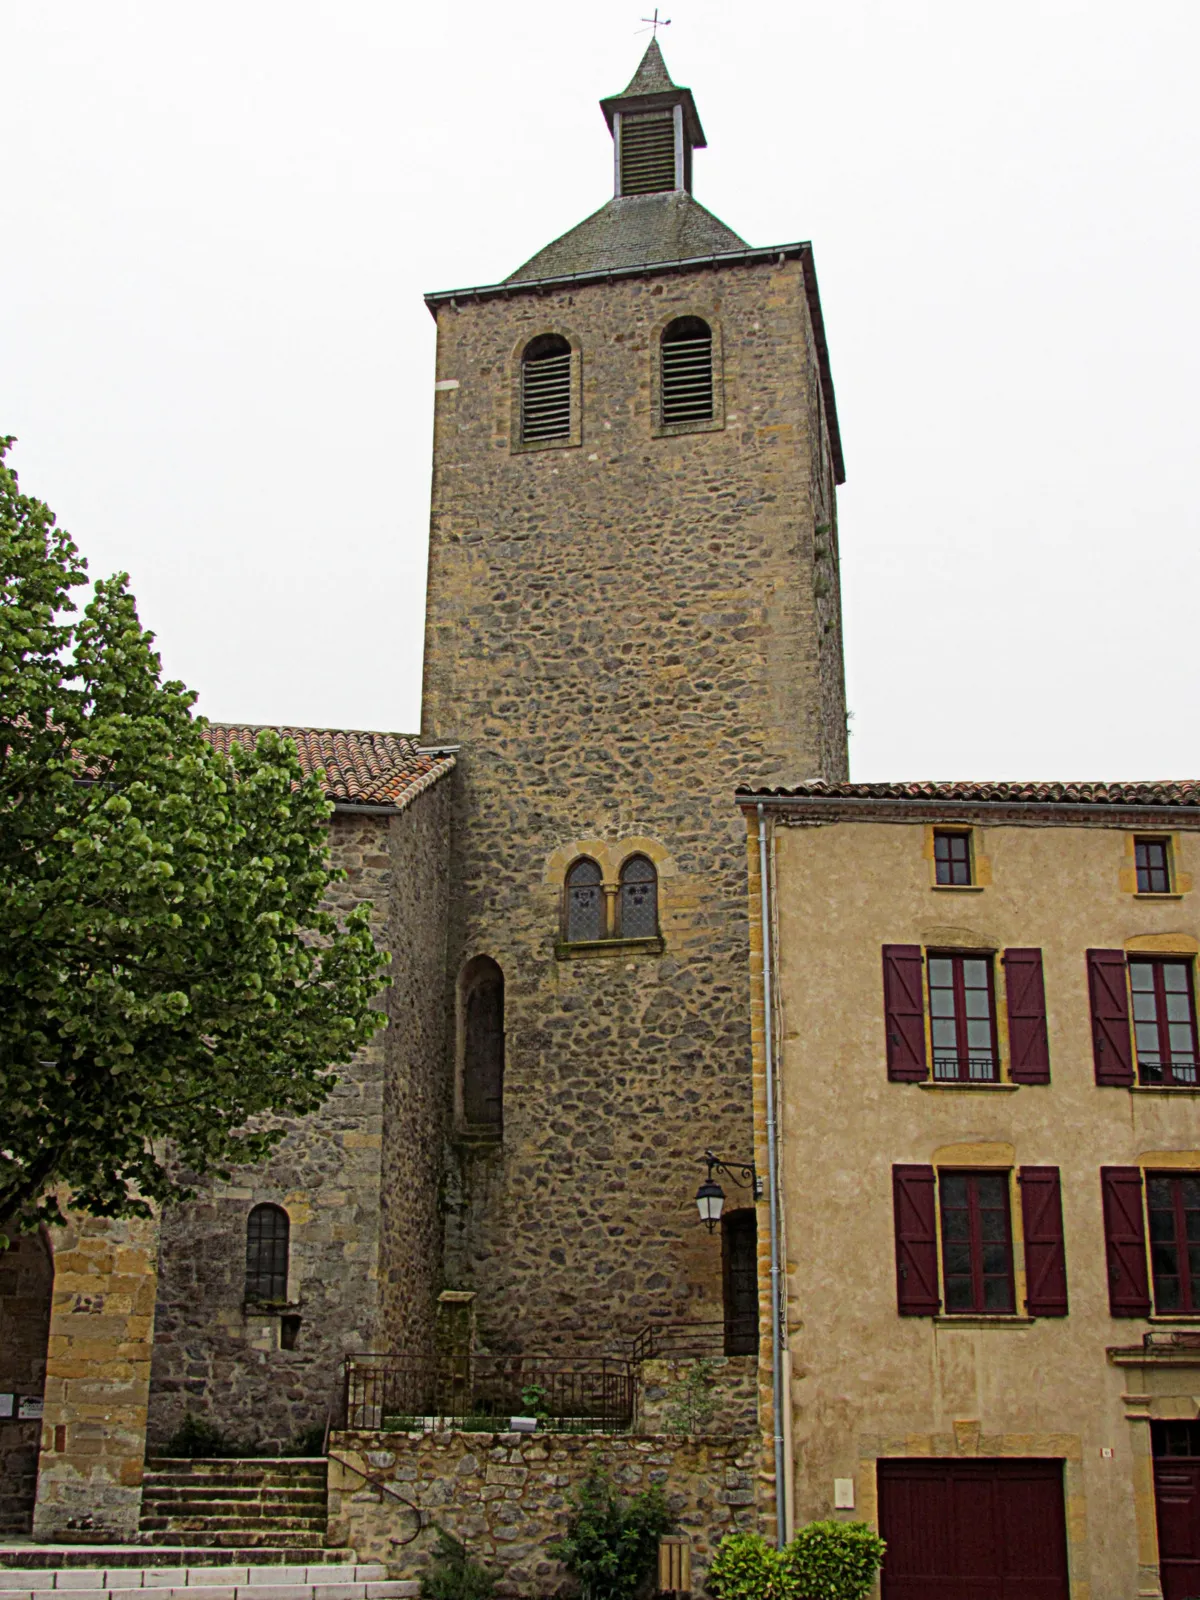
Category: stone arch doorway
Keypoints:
(26, 1288)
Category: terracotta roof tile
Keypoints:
(359, 766)
(1168, 792)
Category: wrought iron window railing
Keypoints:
(566, 1394)
(972, 1069)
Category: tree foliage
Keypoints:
(168, 977)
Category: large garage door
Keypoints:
(973, 1530)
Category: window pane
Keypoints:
(941, 972)
(975, 974)
(954, 1189)
(1141, 975)
(956, 1224)
(958, 1259)
(992, 1189)
(1175, 977)
(958, 1294)
(997, 1295)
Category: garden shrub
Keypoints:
(691, 1401)
(198, 1438)
(453, 1575)
(825, 1561)
(832, 1561)
(611, 1545)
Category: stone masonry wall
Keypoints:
(213, 1356)
(416, 1099)
(97, 1379)
(732, 1390)
(507, 1496)
(619, 634)
(26, 1283)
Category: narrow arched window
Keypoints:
(546, 389)
(267, 1253)
(687, 372)
(483, 1045)
(585, 902)
(639, 899)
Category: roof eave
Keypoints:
(902, 808)
(655, 102)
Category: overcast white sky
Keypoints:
(218, 221)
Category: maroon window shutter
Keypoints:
(914, 1203)
(1125, 1242)
(1045, 1257)
(1111, 1044)
(1028, 1043)
(904, 1012)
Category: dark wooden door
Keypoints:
(739, 1265)
(973, 1530)
(1177, 1498)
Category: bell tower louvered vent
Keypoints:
(648, 153)
(687, 372)
(546, 389)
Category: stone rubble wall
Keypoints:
(223, 1361)
(619, 634)
(507, 1496)
(732, 1386)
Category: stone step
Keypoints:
(197, 1520)
(215, 1488)
(245, 1539)
(239, 1575)
(207, 1583)
(148, 1554)
(284, 1467)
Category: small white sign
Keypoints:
(6, 1405)
(522, 1424)
(29, 1408)
(445, 383)
(843, 1494)
(1106, 1453)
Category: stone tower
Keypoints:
(633, 607)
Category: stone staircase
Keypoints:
(86, 1575)
(244, 1504)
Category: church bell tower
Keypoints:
(633, 606)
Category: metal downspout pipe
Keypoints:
(778, 1397)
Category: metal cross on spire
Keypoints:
(654, 23)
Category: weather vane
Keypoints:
(654, 23)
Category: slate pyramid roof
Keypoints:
(633, 231)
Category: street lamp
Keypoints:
(710, 1197)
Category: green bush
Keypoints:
(832, 1561)
(825, 1561)
(746, 1567)
(691, 1400)
(453, 1575)
(611, 1545)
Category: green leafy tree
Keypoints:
(168, 978)
(611, 1544)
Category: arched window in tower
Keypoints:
(482, 1023)
(687, 372)
(546, 389)
(639, 899)
(585, 902)
(267, 1253)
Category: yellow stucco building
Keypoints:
(978, 1034)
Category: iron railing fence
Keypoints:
(566, 1394)
(734, 1336)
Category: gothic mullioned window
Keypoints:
(267, 1253)
(546, 390)
(687, 372)
(639, 899)
(585, 902)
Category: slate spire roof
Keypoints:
(651, 76)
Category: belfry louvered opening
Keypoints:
(648, 153)
(546, 389)
(687, 372)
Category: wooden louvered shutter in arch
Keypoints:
(914, 1206)
(1045, 1256)
(1111, 1044)
(1125, 1242)
(904, 1012)
(1028, 1041)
